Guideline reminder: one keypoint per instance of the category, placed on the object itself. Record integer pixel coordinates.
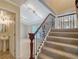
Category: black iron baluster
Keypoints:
(73, 22)
(76, 20)
(43, 31)
(59, 22)
(53, 23)
(62, 23)
(69, 21)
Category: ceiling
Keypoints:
(60, 6)
(57, 6)
(31, 13)
(26, 11)
(17, 2)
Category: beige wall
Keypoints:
(12, 8)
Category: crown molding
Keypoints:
(12, 3)
(53, 11)
(69, 11)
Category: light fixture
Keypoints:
(4, 18)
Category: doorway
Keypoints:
(7, 35)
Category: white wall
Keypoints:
(23, 30)
(28, 20)
(25, 41)
(26, 29)
(25, 49)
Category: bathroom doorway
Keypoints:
(7, 35)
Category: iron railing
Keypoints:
(67, 21)
(38, 37)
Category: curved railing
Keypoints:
(37, 38)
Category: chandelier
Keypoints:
(4, 18)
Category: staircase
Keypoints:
(60, 44)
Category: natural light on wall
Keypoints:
(4, 18)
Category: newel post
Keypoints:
(31, 37)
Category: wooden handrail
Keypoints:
(43, 22)
(32, 36)
(76, 3)
(67, 15)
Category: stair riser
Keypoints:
(62, 48)
(64, 30)
(43, 57)
(54, 55)
(64, 35)
(73, 42)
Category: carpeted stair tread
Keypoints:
(62, 46)
(43, 56)
(64, 34)
(63, 37)
(61, 53)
